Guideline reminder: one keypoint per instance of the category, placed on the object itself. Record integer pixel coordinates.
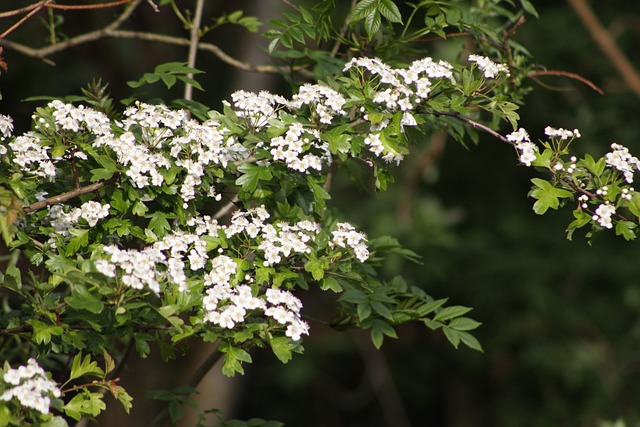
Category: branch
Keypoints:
(606, 43)
(232, 205)
(193, 47)
(573, 76)
(42, 53)
(475, 125)
(35, 10)
(61, 198)
(88, 6)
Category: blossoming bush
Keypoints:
(156, 224)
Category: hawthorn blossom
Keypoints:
(6, 127)
(603, 215)
(346, 235)
(523, 144)
(28, 151)
(31, 387)
(563, 134)
(622, 160)
(490, 68)
(326, 102)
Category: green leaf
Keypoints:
(331, 283)
(389, 10)
(452, 335)
(427, 308)
(451, 312)
(100, 174)
(80, 240)
(528, 6)
(464, 324)
(252, 175)
(626, 229)
(84, 366)
(372, 24)
(596, 168)
(82, 299)
(547, 195)
(43, 332)
(379, 330)
(582, 218)
(282, 347)
(382, 310)
(159, 224)
(234, 356)
(470, 341)
(316, 267)
(363, 9)
(354, 296)
(364, 312)
(84, 403)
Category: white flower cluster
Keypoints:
(138, 266)
(400, 89)
(28, 152)
(622, 160)
(527, 149)
(227, 305)
(31, 387)
(563, 134)
(63, 221)
(346, 235)
(603, 215)
(70, 117)
(138, 142)
(276, 240)
(226, 302)
(326, 102)
(257, 108)
(296, 141)
(285, 309)
(6, 127)
(490, 68)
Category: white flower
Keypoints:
(31, 387)
(622, 160)
(490, 68)
(345, 235)
(603, 215)
(563, 134)
(6, 126)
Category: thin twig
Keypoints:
(607, 44)
(14, 12)
(42, 53)
(474, 124)
(24, 19)
(573, 76)
(193, 46)
(343, 29)
(88, 6)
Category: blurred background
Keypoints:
(561, 319)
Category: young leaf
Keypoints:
(84, 366)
